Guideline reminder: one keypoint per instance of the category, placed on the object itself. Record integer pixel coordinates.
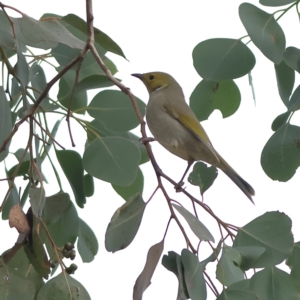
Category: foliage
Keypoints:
(51, 226)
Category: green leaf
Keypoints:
(173, 263)
(12, 199)
(25, 194)
(203, 176)
(47, 33)
(14, 286)
(63, 287)
(285, 81)
(294, 262)
(124, 224)
(7, 40)
(19, 153)
(237, 294)
(275, 2)
(228, 271)
(66, 228)
(37, 200)
(280, 120)
(5, 123)
(79, 101)
(115, 110)
(21, 266)
(291, 56)
(112, 159)
(71, 163)
(93, 82)
(100, 37)
(39, 83)
(294, 103)
(21, 69)
(272, 283)
(271, 231)
(23, 170)
(264, 31)
(249, 256)
(126, 192)
(87, 242)
(35, 250)
(99, 130)
(280, 157)
(209, 96)
(55, 207)
(213, 59)
(88, 184)
(144, 279)
(197, 227)
(213, 256)
(193, 274)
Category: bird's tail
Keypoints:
(237, 179)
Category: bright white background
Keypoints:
(160, 36)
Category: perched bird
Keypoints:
(175, 126)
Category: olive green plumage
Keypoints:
(175, 126)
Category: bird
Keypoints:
(175, 126)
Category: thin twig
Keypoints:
(48, 133)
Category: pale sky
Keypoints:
(160, 36)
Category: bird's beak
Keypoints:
(139, 76)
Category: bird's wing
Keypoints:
(194, 127)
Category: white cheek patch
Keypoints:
(159, 88)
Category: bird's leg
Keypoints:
(179, 185)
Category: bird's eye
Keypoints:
(151, 77)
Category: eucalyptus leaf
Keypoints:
(213, 59)
(126, 192)
(210, 95)
(227, 270)
(63, 287)
(271, 283)
(285, 81)
(143, 281)
(193, 275)
(47, 33)
(173, 263)
(124, 224)
(271, 231)
(112, 159)
(71, 164)
(100, 37)
(197, 227)
(115, 110)
(264, 31)
(280, 157)
(203, 176)
(5, 123)
(87, 242)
